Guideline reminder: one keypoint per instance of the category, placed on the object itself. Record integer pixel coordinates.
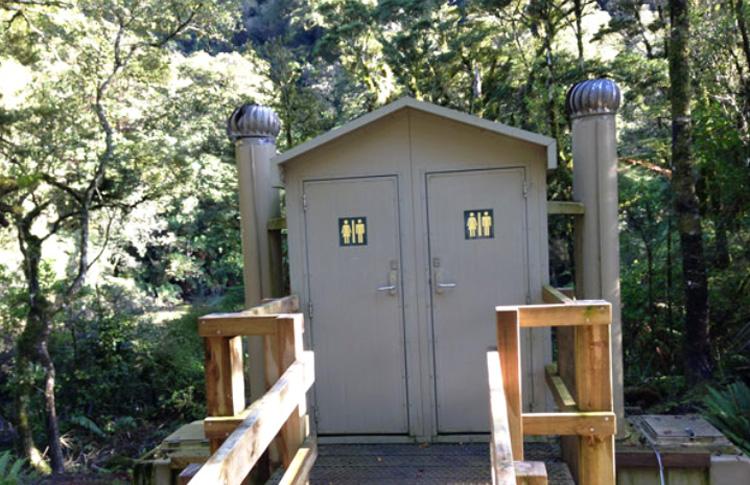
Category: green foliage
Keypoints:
(13, 471)
(729, 410)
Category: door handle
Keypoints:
(392, 285)
(439, 286)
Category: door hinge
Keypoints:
(304, 202)
(525, 188)
(310, 309)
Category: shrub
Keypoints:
(13, 470)
(729, 410)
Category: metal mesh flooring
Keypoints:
(387, 464)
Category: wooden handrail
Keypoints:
(501, 452)
(506, 470)
(575, 313)
(560, 392)
(241, 450)
(550, 294)
(588, 407)
(277, 422)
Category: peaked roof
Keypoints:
(407, 102)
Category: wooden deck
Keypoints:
(422, 464)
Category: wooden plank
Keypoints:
(235, 324)
(599, 424)
(565, 207)
(560, 393)
(580, 312)
(530, 473)
(551, 294)
(593, 377)
(508, 347)
(241, 450)
(298, 471)
(219, 427)
(258, 320)
(501, 449)
(630, 457)
(225, 383)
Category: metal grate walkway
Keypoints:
(387, 464)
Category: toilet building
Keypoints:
(406, 227)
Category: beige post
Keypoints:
(253, 129)
(593, 106)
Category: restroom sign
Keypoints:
(352, 231)
(479, 224)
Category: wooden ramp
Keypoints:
(414, 464)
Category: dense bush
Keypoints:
(125, 377)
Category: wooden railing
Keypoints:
(587, 421)
(506, 470)
(277, 422)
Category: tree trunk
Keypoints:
(32, 347)
(578, 6)
(697, 345)
(670, 303)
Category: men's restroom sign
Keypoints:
(352, 231)
(479, 224)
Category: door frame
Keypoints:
(429, 294)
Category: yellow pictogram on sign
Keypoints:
(352, 231)
(479, 224)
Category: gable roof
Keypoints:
(450, 114)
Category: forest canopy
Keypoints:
(119, 220)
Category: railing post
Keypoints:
(508, 345)
(281, 351)
(596, 464)
(225, 382)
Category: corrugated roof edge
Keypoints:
(407, 102)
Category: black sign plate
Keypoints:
(479, 224)
(352, 231)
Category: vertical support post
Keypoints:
(508, 346)
(593, 378)
(592, 106)
(253, 130)
(282, 350)
(225, 382)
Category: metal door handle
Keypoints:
(441, 287)
(392, 279)
(446, 285)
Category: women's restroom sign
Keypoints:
(479, 224)
(352, 231)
